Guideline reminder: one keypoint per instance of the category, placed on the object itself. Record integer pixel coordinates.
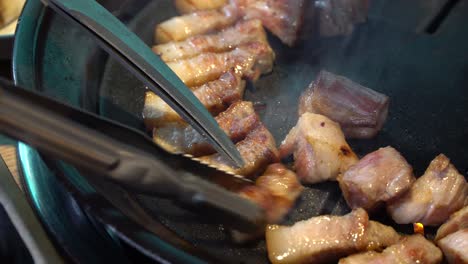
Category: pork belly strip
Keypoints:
(412, 249)
(190, 6)
(326, 238)
(258, 150)
(237, 121)
(250, 60)
(433, 197)
(243, 32)
(339, 17)
(276, 192)
(360, 111)
(200, 22)
(378, 177)
(319, 147)
(216, 96)
(282, 17)
(455, 247)
(457, 221)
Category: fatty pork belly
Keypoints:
(457, 221)
(282, 17)
(258, 150)
(189, 6)
(326, 238)
(276, 192)
(319, 147)
(250, 60)
(378, 177)
(243, 32)
(339, 17)
(455, 247)
(181, 27)
(216, 96)
(412, 249)
(237, 121)
(433, 197)
(360, 111)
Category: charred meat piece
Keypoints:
(455, 247)
(276, 192)
(237, 121)
(216, 96)
(282, 17)
(201, 22)
(319, 147)
(189, 6)
(258, 150)
(250, 60)
(457, 221)
(412, 249)
(338, 17)
(433, 197)
(360, 111)
(378, 177)
(326, 238)
(242, 33)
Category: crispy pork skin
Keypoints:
(243, 32)
(237, 121)
(282, 17)
(216, 96)
(437, 194)
(409, 250)
(319, 147)
(378, 177)
(190, 6)
(324, 239)
(360, 111)
(455, 247)
(339, 17)
(250, 60)
(258, 150)
(457, 221)
(181, 27)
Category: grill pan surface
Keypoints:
(424, 73)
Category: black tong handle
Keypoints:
(56, 129)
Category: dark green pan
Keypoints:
(424, 73)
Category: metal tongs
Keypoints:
(137, 57)
(101, 147)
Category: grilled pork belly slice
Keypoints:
(282, 17)
(243, 32)
(250, 60)
(378, 177)
(338, 17)
(276, 192)
(326, 238)
(409, 250)
(455, 247)
(216, 96)
(189, 6)
(433, 197)
(360, 111)
(457, 221)
(237, 121)
(258, 149)
(200, 22)
(282, 188)
(319, 147)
